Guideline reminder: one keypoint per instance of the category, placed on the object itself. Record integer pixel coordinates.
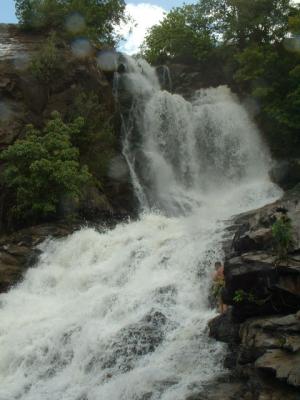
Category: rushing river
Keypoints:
(122, 314)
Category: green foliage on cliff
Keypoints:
(97, 142)
(95, 19)
(47, 64)
(43, 168)
(257, 46)
(282, 235)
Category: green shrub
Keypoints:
(46, 65)
(42, 168)
(239, 296)
(282, 236)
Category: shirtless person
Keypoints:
(219, 284)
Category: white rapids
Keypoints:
(121, 314)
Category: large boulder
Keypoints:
(284, 365)
(258, 284)
(224, 328)
(253, 230)
(274, 343)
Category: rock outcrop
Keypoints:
(18, 251)
(24, 99)
(262, 325)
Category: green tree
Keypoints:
(193, 30)
(97, 18)
(42, 168)
(241, 22)
(183, 34)
(271, 75)
(255, 45)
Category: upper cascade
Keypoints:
(182, 154)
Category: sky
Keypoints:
(145, 14)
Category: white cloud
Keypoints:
(144, 15)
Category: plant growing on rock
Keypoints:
(239, 296)
(46, 65)
(97, 143)
(282, 236)
(42, 168)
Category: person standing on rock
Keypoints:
(219, 285)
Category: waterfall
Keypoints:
(122, 314)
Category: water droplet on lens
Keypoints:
(81, 48)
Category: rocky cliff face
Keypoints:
(26, 100)
(262, 325)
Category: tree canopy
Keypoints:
(44, 167)
(256, 41)
(184, 33)
(93, 18)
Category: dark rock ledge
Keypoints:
(19, 250)
(262, 325)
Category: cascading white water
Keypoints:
(122, 314)
(188, 153)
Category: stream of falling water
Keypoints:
(122, 314)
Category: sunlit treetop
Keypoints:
(95, 19)
(192, 30)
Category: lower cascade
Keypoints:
(122, 314)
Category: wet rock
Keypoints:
(18, 251)
(284, 365)
(131, 343)
(165, 294)
(256, 284)
(272, 332)
(164, 77)
(264, 294)
(286, 173)
(259, 239)
(224, 328)
(95, 204)
(252, 230)
(189, 77)
(135, 341)
(224, 391)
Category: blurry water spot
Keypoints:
(21, 62)
(81, 48)
(5, 112)
(118, 169)
(107, 60)
(292, 43)
(75, 23)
